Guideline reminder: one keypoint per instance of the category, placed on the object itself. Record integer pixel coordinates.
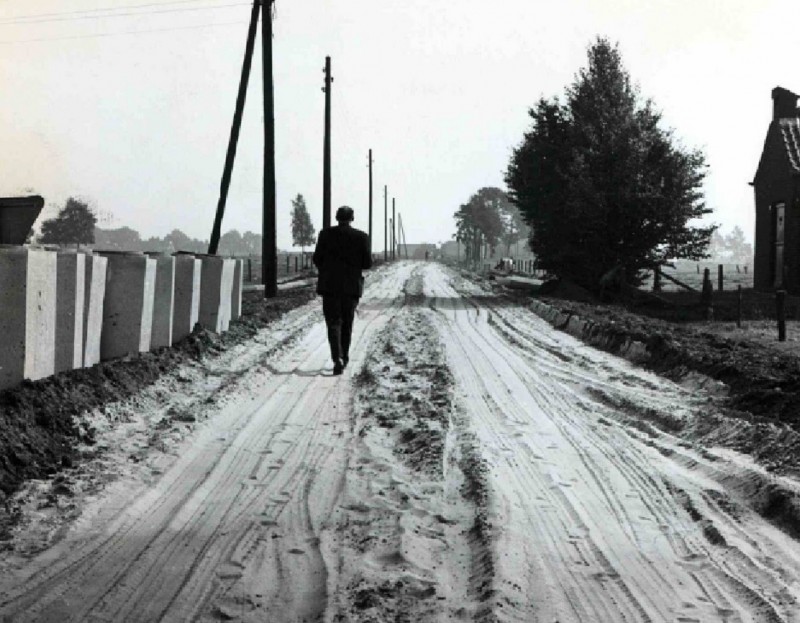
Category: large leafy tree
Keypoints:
(602, 185)
(302, 227)
(74, 224)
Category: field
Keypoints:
(691, 273)
(288, 264)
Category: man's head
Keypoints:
(344, 215)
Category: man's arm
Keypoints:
(319, 251)
(366, 260)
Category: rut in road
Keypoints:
(596, 516)
(235, 526)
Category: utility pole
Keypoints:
(326, 165)
(370, 202)
(402, 234)
(394, 226)
(385, 224)
(269, 252)
(230, 156)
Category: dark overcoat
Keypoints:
(341, 253)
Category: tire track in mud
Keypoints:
(554, 452)
(238, 526)
(414, 537)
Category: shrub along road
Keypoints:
(472, 463)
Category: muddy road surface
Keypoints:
(472, 464)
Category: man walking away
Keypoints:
(341, 253)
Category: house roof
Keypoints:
(790, 133)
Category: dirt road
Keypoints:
(471, 464)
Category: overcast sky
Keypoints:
(138, 123)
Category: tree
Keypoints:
(120, 239)
(601, 184)
(230, 243)
(74, 224)
(302, 227)
(479, 222)
(741, 251)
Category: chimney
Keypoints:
(784, 103)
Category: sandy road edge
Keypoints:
(775, 499)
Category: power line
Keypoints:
(101, 9)
(64, 17)
(123, 33)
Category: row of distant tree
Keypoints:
(489, 221)
(76, 224)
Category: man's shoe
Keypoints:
(338, 367)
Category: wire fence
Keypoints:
(289, 265)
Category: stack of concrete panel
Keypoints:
(70, 298)
(27, 314)
(94, 293)
(128, 304)
(236, 290)
(163, 301)
(186, 309)
(216, 286)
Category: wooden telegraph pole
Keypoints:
(385, 224)
(326, 166)
(230, 156)
(269, 251)
(394, 226)
(370, 202)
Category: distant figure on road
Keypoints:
(342, 252)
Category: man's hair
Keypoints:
(344, 213)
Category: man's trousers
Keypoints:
(339, 312)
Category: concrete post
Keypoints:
(128, 304)
(27, 314)
(187, 296)
(163, 301)
(216, 284)
(94, 293)
(70, 299)
(236, 290)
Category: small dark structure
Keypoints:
(17, 216)
(777, 197)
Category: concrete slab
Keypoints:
(70, 295)
(236, 290)
(27, 314)
(128, 304)
(164, 300)
(94, 293)
(216, 285)
(187, 295)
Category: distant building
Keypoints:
(416, 251)
(777, 198)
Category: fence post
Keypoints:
(295, 263)
(249, 270)
(287, 264)
(780, 303)
(739, 306)
(656, 279)
(698, 269)
(707, 294)
(719, 277)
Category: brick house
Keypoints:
(777, 198)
